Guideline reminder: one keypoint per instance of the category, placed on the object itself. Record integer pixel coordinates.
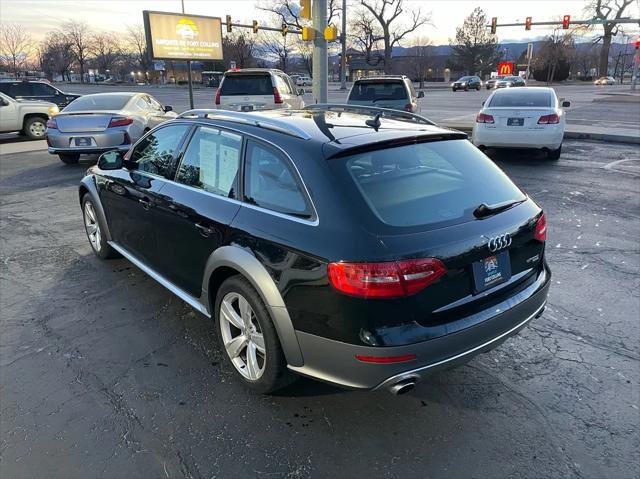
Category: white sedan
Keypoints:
(529, 117)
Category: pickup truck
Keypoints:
(26, 116)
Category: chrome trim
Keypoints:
(248, 119)
(415, 374)
(183, 295)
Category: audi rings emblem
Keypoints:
(499, 242)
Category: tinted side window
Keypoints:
(20, 89)
(211, 162)
(40, 89)
(4, 87)
(155, 153)
(270, 182)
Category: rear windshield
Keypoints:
(434, 183)
(521, 97)
(98, 102)
(247, 85)
(373, 91)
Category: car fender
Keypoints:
(243, 261)
(88, 185)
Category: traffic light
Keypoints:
(285, 29)
(494, 25)
(305, 9)
(330, 33)
(565, 22)
(527, 23)
(229, 24)
(308, 34)
(255, 26)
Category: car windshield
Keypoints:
(465, 78)
(432, 183)
(98, 102)
(259, 84)
(521, 97)
(376, 91)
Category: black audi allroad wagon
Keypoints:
(359, 246)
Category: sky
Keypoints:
(40, 16)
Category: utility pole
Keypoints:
(189, 74)
(320, 57)
(343, 60)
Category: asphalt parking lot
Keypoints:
(106, 374)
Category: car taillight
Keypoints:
(276, 95)
(540, 233)
(408, 107)
(120, 121)
(218, 96)
(484, 118)
(390, 279)
(52, 124)
(549, 119)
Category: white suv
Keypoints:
(252, 89)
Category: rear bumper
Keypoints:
(87, 150)
(334, 362)
(550, 138)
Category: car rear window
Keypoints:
(428, 184)
(521, 97)
(98, 102)
(371, 91)
(246, 85)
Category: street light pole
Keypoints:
(343, 59)
(189, 73)
(320, 57)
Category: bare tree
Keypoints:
(15, 45)
(607, 10)
(106, 50)
(55, 55)
(366, 38)
(421, 59)
(81, 42)
(289, 12)
(557, 49)
(278, 45)
(239, 47)
(137, 43)
(385, 21)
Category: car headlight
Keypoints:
(54, 110)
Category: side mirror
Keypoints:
(483, 103)
(566, 104)
(3, 102)
(301, 91)
(168, 108)
(420, 94)
(111, 160)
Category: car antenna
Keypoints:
(374, 122)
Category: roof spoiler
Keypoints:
(372, 111)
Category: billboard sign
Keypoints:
(174, 36)
(505, 68)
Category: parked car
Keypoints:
(510, 81)
(27, 117)
(102, 122)
(356, 249)
(530, 117)
(395, 92)
(491, 82)
(304, 80)
(605, 81)
(36, 90)
(467, 83)
(258, 89)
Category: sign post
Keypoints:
(529, 56)
(175, 36)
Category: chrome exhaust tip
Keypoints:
(402, 387)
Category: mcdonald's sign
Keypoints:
(505, 68)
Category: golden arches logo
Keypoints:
(505, 68)
(187, 28)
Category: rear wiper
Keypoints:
(485, 210)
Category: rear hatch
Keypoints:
(517, 118)
(423, 200)
(80, 122)
(246, 92)
(382, 94)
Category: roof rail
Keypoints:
(260, 121)
(371, 110)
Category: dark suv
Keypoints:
(363, 247)
(467, 83)
(36, 90)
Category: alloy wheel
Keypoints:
(242, 336)
(92, 226)
(38, 128)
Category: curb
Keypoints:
(568, 135)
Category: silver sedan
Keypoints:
(105, 121)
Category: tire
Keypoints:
(466, 88)
(69, 159)
(454, 89)
(96, 237)
(554, 154)
(478, 89)
(269, 372)
(35, 127)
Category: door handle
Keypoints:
(204, 230)
(145, 202)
